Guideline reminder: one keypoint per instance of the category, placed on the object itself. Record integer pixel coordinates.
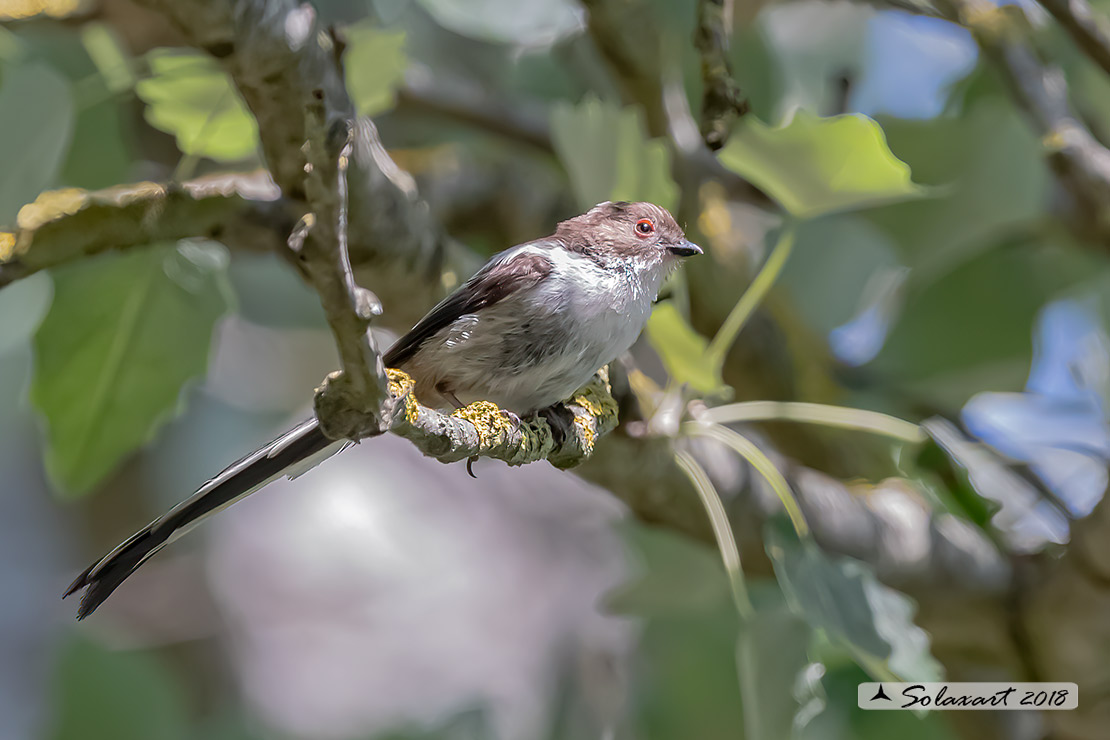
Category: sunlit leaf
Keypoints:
(843, 597)
(684, 352)
(36, 118)
(813, 165)
(609, 157)
(375, 63)
(123, 336)
(112, 695)
(189, 96)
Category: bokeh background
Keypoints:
(925, 186)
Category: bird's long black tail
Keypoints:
(291, 454)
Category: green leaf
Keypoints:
(189, 96)
(843, 597)
(673, 575)
(836, 261)
(771, 652)
(375, 62)
(684, 352)
(609, 157)
(36, 118)
(112, 695)
(992, 177)
(813, 165)
(123, 336)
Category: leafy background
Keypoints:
(386, 596)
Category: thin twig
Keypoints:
(760, 462)
(753, 296)
(354, 403)
(722, 530)
(818, 413)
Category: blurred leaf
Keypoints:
(114, 695)
(36, 118)
(189, 96)
(843, 597)
(100, 155)
(123, 336)
(756, 69)
(684, 352)
(375, 62)
(835, 259)
(842, 719)
(814, 165)
(608, 156)
(470, 724)
(528, 23)
(971, 329)
(685, 680)
(674, 575)
(993, 182)
(770, 654)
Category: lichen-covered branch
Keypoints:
(65, 225)
(1089, 29)
(483, 430)
(722, 100)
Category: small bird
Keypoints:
(526, 331)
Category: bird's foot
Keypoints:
(560, 421)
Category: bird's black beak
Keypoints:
(685, 249)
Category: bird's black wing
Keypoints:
(504, 275)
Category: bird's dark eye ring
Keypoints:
(644, 227)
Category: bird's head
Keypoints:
(641, 235)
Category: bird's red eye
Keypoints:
(644, 227)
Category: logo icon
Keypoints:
(880, 694)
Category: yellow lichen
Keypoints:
(7, 245)
(51, 205)
(586, 432)
(402, 384)
(487, 420)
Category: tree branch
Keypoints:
(1081, 163)
(1090, 30)
(354, 403)
(66, 225)
(483, 430)
(722, 100)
